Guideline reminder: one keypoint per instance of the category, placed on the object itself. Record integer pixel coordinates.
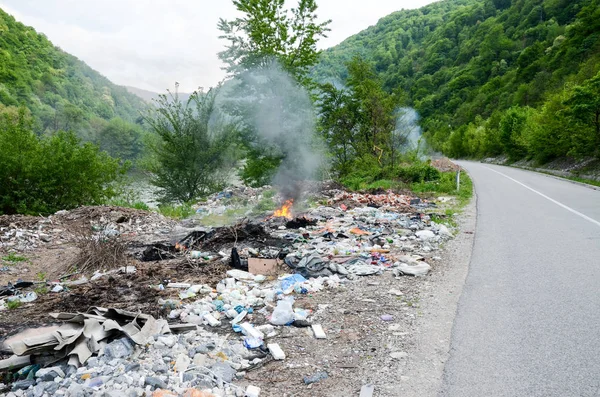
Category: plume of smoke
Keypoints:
(268, 104)
(408, 136)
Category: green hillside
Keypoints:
(490, 77)
(62, 92)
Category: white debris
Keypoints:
(276, 351)
(212, 321)
(318, 331)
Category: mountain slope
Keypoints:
(150, 96)
(463, 61)
(61, 91)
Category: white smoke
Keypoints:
(268, 102)
(408, 136)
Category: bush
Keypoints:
(446, 184)
(419, 172)
(41, 175)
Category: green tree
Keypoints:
(512, 127)
(358, 122)
(584, 104)
(267, 31)
(374, 110)
(121, 139)
(191, 153)
(338, 125)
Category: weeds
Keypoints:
(13, 258)
(11, 305)
(99, 253)
(227, 218)
(269, 193)
(447, 185)
(41, 290)
(265, 204)
(176, 211)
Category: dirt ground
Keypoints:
(358, 345)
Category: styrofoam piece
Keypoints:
(248, 329)
(276, 351)
(252, 391)
(367, 391)
(213, 322)
(318, 330)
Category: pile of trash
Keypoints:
(226, 328)
(23, 234)
(131, 359)
(388, 200)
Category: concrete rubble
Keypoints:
(213, 334)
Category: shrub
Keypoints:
(419, 172)
(41, 175)
(182, 211)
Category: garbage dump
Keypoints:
(197, 310)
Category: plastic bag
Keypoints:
(283, 313)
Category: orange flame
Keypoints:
(285, 211)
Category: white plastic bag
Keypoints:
(283, 313)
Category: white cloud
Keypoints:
(151, 44)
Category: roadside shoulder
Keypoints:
(439, 301)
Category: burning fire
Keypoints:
(180, 247)
(285, 211)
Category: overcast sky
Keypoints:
(150, 44)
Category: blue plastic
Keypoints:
(289, 281)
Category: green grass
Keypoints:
(176, 211)
(577, 179)
(227, 218)
(41, 290)
(14, 258)
(138, 205)
(265, 204)
(11, 305)
(269, 193)
(447, 185)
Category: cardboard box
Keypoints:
(263, 266)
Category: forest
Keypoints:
(507, 78)
(63, 93)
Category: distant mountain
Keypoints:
(61, 91)
(147, 96)
(150, 96)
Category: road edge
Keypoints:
(439, 304)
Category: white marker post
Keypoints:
(458, 180)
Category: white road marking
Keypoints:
(587, 218)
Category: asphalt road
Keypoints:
(528, 320)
